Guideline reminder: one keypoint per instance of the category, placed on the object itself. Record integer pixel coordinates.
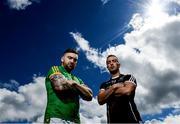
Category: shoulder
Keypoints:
(105, 84)
(53, 70)
(130, 77)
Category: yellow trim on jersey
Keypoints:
(55, 70)
(54, 74)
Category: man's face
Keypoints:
(112, 64)
(69, 61)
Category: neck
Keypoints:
(115, 74)
(69, 71)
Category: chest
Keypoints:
(120, 79)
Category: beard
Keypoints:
(69, 67)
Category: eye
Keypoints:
(108, 62)
(75, 59)
(115, 60)
(69, 57)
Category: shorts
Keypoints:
(59, 121)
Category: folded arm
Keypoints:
(124, 89)
(84, 91)
(104, 94)
(118, 89)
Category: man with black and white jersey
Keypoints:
(118, 93)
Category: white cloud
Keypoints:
(168, 120)
(92, 112)
(29, 103)
(105, 1)
(136, 22)
(26, 104)
(20, 4)
(12, 85)
(155, 65)
(91, 53)
(176, 1)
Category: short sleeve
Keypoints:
(130, 77)
(53, 70)
(103, 85)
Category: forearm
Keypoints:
(124, 89)
(84, 91)
(121, 91)
(105, 94)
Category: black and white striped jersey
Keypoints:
(121, 109)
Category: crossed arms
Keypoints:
(117, 89)
(63, 84)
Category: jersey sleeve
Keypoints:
(48, 81)
(130, 77)
(50, 72)
(103, 85)
(53, 70)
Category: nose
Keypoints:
(112, 64)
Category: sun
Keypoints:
(155, 11)
(155, 8)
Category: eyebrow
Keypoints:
(75, 58)
(116, 60)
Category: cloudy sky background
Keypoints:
(147, 46)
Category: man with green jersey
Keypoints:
(63, 91)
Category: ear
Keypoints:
(119, 64)
(62, 59)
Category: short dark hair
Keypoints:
(70, 50)
(111, 55)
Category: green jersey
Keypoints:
(63, 105)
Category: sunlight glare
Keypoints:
(155, 11)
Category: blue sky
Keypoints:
(34, 38)
(143, 34)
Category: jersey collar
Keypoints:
(63, 69)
